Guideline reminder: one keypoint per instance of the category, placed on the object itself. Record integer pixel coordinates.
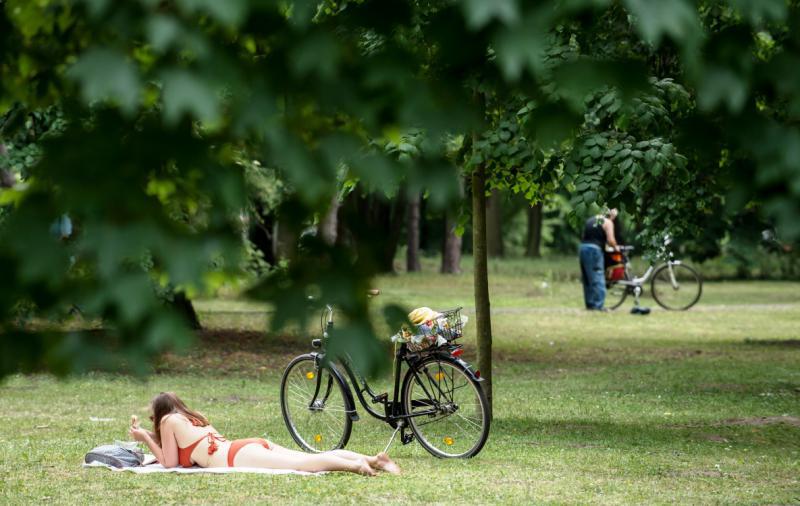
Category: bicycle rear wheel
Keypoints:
(676, 288)
(313, 406)
(448, 408)
(616, 292)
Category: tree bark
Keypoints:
(285, 241)
(412, 230)
(372, 225)
(494, 228)
(329, 223)
(451, 247)
(261, 233)
(483, 322)
(534, 246)
(182, 304)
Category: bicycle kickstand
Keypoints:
(391, 439)
(637, 292)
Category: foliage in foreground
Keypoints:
(161, 99)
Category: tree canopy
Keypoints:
(680, 109)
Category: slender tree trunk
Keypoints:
(494, 228)
(328, 223)
(483, 322)
(412, 229)
(261, 233)
(534, 246)
(451, 247)
(373, 225)
(7, 179)
(182, 304)
(396, 214)
(285, 241)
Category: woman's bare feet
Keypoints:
(365, 469)
(384, 463)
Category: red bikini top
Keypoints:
(185, 454)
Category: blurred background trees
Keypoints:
(298, 145)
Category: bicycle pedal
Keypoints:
(406, 438)
(380, 398)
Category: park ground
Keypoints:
(693, 407)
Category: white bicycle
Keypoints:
(675, 286)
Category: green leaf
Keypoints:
(230, 12)
(316, 54)
(521, 46)
(480, 12)
(578, 78)
(162, 31)
(106, 74)
(552, 124)
(188, 93)
(722, 86)
(674, 18)
(758, 11)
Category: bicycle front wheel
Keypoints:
(448, 411)
(313, 406)
(676, 287)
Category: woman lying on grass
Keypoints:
(185, 437)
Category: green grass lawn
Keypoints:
(695, 407)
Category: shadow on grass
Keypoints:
(780, 343)
(246, 353)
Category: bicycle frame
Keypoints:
(393, 410)
(644, 278)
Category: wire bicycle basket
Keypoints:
(442, 328)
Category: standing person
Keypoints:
(597, 232)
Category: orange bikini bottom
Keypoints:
(238, 444)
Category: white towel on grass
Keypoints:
(158, 468)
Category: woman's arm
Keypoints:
(167, 452)
(135, 425)
(608, 228)
(145, 437)
(169, 445)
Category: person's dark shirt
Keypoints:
(593, 232)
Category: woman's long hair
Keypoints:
(166, 403)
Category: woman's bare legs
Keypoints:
(258, 456)
(380, 461)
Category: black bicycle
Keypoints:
(440, 398)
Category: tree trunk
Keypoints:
(483, 322)
(261, 233)
(451, 247)
(328, 224)
(184, 307)
(285, 241)
(494, 229)
(412, 230)
(534, 246)
(372, 225)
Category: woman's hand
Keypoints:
(138, 434)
